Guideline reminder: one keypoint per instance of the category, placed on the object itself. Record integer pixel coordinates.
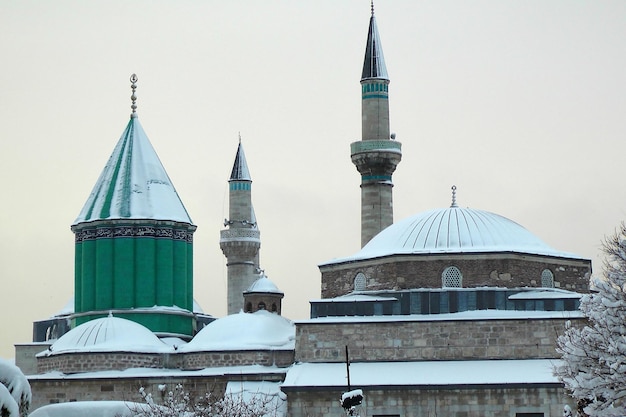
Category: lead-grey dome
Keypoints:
(108, 334)
(454, 230)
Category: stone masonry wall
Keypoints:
(52, 391)
(428, 340)
(478, 270)
(71, 363)
(441, 401)
(200, 360)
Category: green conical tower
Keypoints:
(134, 242)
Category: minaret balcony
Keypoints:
(240, 234)
(375, 145)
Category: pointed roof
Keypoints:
(374, 64)
(240, 170)
(134, 184)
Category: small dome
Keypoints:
(263, 285)
(108, 334)
(244, 331)
(455, 230)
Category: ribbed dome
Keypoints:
(110, 334)
(244, 331)
(454, 230)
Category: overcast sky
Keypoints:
(520, 104)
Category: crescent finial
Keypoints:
(133, 97)
(453, 196)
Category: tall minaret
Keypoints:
(134, 241)
(241, 241)
(376, 155)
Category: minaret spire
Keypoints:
(241, 240)
(376, 155)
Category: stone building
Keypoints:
(452, 312)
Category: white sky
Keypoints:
(520, 104)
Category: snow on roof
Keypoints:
(134, 184)
(108, 334)
(134, 373)
(422, 374)
(462, 316)
(69, 308)
(545, 294)
(353, 297)
(263, 285)
(453, 230)
(245, 331)
(89, 408)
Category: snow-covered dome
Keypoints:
(109, 334)
(244, 331)
(263, 285)
(455, 230)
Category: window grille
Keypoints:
(360, 282)
(547, 279)
(451, 278)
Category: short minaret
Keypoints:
(134, 241)
(263, 294)
(376, 155)
(241, 240)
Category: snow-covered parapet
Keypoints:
(14, 390)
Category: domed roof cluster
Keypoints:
(243, 331)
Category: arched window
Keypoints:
(547, 279)
(274, 308)
(451, 277)
(249, 308)
(360, 282)
(261, 305)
